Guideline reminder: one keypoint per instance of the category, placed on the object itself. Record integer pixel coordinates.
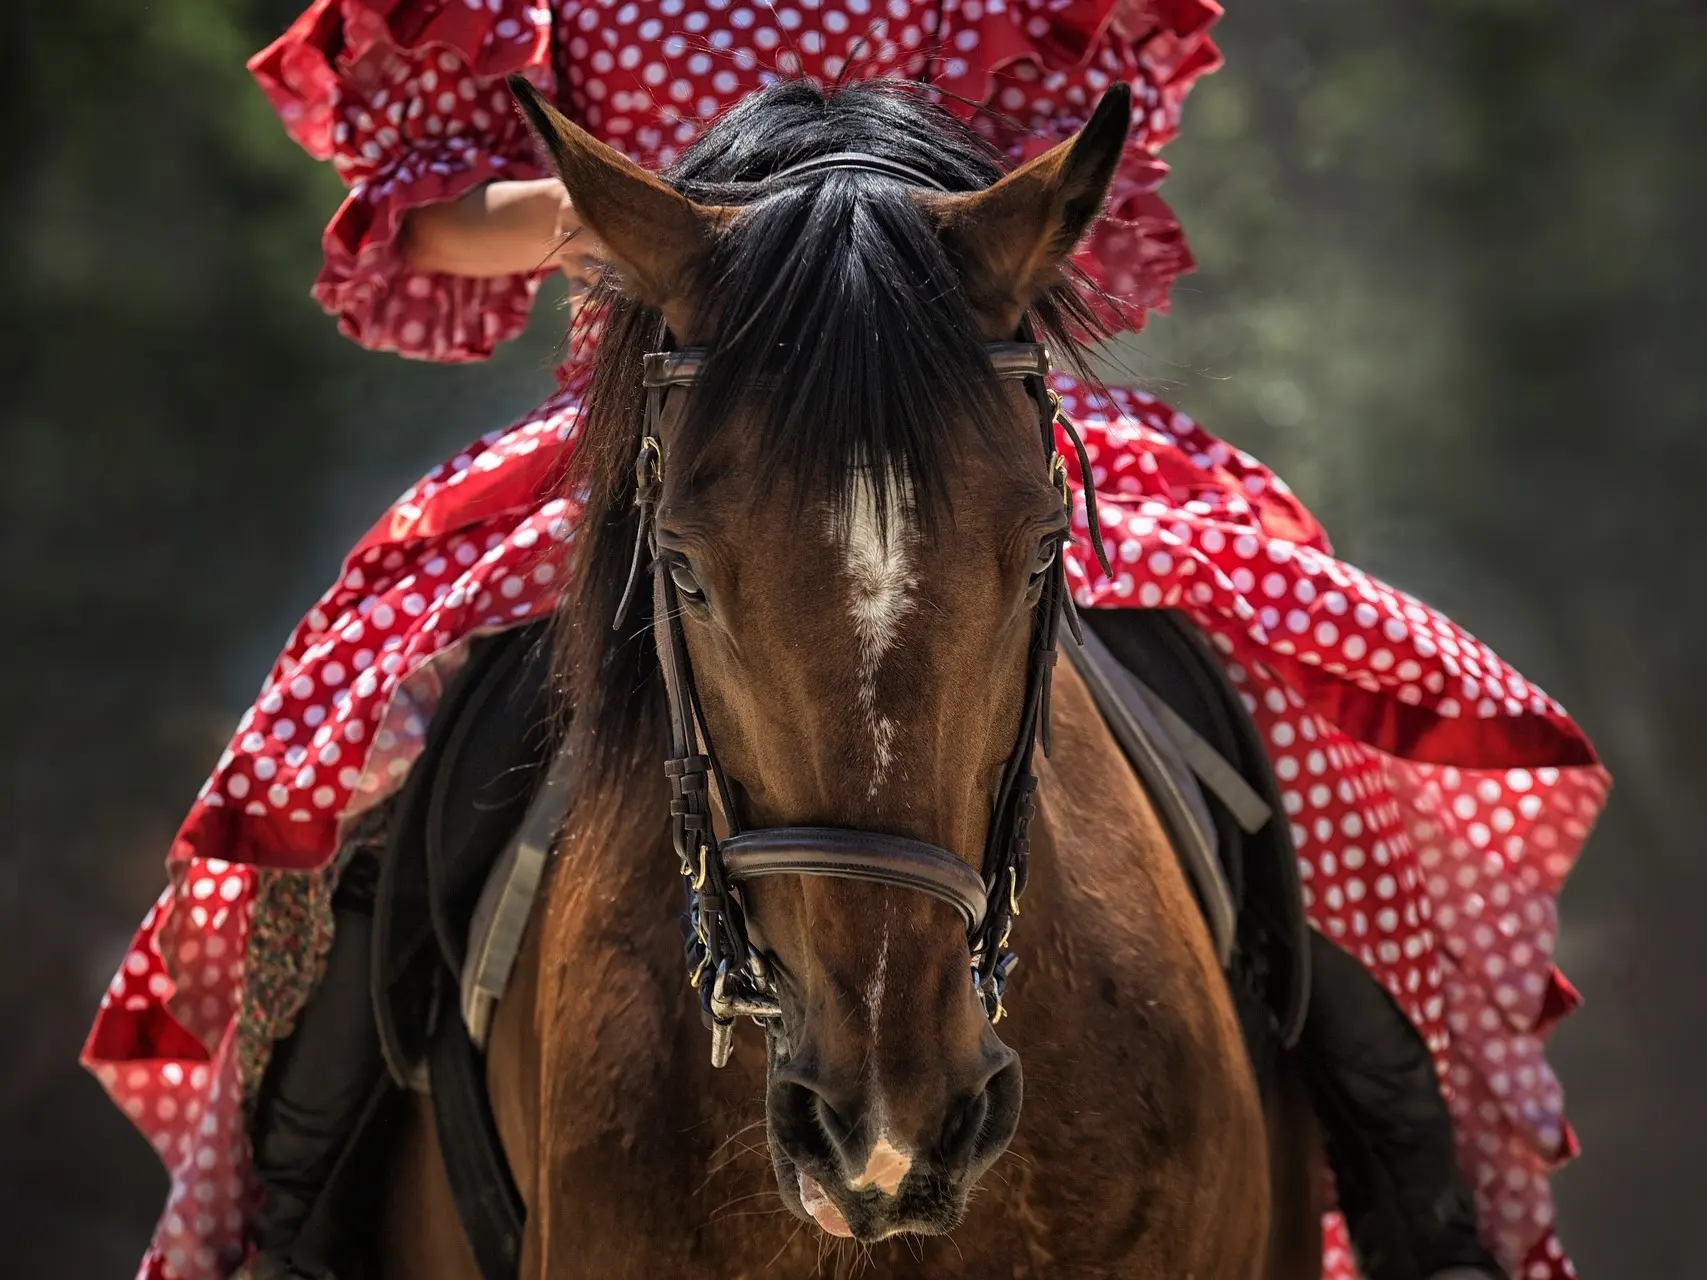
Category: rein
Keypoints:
(728, 972)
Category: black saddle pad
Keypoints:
(485, 755)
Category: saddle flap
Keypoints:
(484, 758)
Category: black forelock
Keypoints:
(833, 293)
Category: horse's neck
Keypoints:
(1104, 872)
(604, 1012)
(1112, 946)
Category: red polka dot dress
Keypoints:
(1437, 799)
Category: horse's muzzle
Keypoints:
(844, 1163)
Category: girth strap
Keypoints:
(482, 1187)
(858, 855)
(1212, 768)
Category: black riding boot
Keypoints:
(325, 1079)
(1388, 1132)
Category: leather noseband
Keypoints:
(895, 861)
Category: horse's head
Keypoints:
(857, 518)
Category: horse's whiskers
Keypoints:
(786, 1245)
(734, 1137)
(728, 1204)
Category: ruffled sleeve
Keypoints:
(406, 98)
(1040, 66)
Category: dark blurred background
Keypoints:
(1452, 286)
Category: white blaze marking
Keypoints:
(879, 978)
(882, 579)
(877, 564)
(884, 1167)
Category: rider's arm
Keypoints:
(500, 229)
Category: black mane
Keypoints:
(833, 291)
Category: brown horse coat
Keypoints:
(1142, 1152)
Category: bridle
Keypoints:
(728, 972)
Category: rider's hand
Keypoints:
(578, 259)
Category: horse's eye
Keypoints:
(687, 586)
(1046, 553)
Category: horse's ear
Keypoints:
(1011, 239)
(656, 236)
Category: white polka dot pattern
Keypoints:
(162, 1049)
(407, 101)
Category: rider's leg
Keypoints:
(1389, 1134)
(321, 1079)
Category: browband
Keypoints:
(1009, 359)
(856, 162)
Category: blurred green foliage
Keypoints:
(189, 446)
(1452, 286)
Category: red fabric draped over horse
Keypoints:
(1436, 798)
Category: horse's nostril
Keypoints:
(980, 1128)
(836, 1127)
(804, 1122)
(964, 1127)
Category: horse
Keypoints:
(853, 541)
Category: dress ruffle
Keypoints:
(1040, 68)
(1159, 47)
(232, 948)
(407, 101)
